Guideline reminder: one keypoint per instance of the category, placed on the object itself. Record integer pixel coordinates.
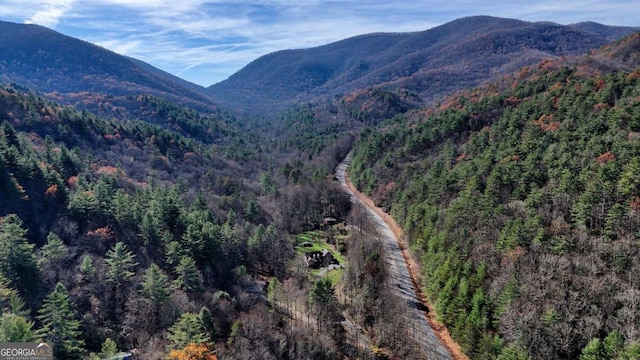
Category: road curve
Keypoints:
(401, 280)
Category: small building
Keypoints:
(319, 259)
(328, 221)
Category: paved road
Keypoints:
(401, 281)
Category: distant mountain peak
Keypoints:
(47, 61)
(432, 63)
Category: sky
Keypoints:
(206, 41)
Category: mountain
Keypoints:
(434, 62)
(522, 200)
(47, 61)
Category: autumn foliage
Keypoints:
(193, 352)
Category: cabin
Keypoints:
(319, 259)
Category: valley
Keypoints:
(469, 191)
(401, 279)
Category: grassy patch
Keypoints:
(317, 239)
(335, 276)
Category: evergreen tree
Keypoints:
(155, 285)
(17, 261)
(60, 325)
(189, 277)
(15, 328)
(109, 348)
(187, 330)
(54, 249)
(120, 262)
(87, 269)
(206, 319)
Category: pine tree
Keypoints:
(54, 249)
(120, 262)
(187, 330)
(189, 277)
(206, 319)
(16, 328)
(60, 325)
(87, 269)
(109, 348)
(155, 285)
(17, 261)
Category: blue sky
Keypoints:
(206, 41)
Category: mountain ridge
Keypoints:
(402, 60)
(48, 61)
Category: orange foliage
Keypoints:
(546, 64)
(546, 123)
(556, 86)
(600, 106)
(606, 157)
(461, 157)
(193, 352)
(634, 75)
(635, 206)
(107, 170)
(51, 190)
(103, 232)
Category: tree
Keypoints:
(109, 348)
(193, 352)
(17, 261)
(60, 325)
(87, 269)
(52, 254)
(10, 300)
(54, 249)
(187, 330)
(120, 262)
(189, 277)
(155, 285)
(15, 328)
(324, 295)
(206, 319)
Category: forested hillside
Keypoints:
(523, 205)
(431, 63)
(124, 234)
(47, 61)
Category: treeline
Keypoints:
(523, 206)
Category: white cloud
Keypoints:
(50, 12)
(214, 37)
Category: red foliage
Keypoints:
(606, 157)
(546, 123)
(511, 101)
(72, 181)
